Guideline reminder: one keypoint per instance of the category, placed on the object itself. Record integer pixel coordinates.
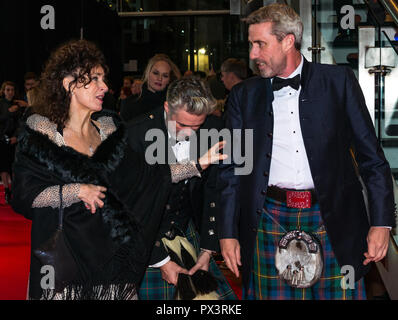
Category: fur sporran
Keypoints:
(202, 285)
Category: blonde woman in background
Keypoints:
(160, 71)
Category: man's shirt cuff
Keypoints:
(161, 263)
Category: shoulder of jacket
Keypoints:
(214, 122)
(146, 119)
(330, 69)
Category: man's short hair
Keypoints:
(284, 21)
(192, 95)
(129, 78)
(30, 76)
(236, 66)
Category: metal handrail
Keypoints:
(392, 8)
(173, 13)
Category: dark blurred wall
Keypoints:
(25, 46)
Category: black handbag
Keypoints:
(55, 252)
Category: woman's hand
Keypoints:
(91, 195)
(213, 155)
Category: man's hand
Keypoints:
(21, 103)
(230, 250)
(13, 108)
(13, 140)
(378, 239)
(170, 272)
(213, 155)
(202, 263)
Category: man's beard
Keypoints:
(268, 72)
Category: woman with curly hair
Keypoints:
(159, 72)
(73, 155)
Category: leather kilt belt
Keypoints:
(299, 199)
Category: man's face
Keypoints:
(266, 51)
(185, 123)
(126, 83)
(226, 78)
(29, 84)
(9, 92)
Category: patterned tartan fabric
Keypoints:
(265, 282)
(153, 287)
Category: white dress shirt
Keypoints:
(289, 163)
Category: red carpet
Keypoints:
(14, 253)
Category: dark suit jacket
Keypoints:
(133, 107)
(202, 191)
(333, 118)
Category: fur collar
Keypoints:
(70, 165)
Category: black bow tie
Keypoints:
(279, 83)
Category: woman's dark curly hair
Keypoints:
(76, 58)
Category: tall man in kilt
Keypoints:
(305, 119)
(192, 208)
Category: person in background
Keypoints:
(136, 87)
(218, 90)
(188, 74)
(159, 72)
(30, 81)
(125, 91)
(233, 71)
(8, 133)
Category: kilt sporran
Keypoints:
(298, 259)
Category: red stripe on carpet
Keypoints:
(14, 253)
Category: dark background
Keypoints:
(25, 46)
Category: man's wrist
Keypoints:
(161, 263)
(209, 252)
(199, 167)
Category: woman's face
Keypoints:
(92, 95)
(159, 76)
(9, 92)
